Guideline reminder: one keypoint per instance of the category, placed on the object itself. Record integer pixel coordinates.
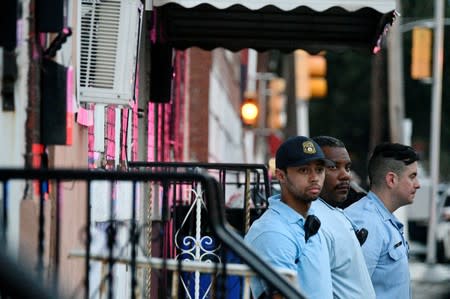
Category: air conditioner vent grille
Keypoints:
(108, 45)
(99, 36)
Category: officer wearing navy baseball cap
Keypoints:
(297, 151)
(287, 235)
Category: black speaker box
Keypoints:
(8, 21)
(161, 73)
(53, 103)
(49, 15)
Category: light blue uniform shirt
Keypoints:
(349, 274)
(279, 238)
(385, 250)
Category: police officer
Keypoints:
(393, 183)
(286, 235)
(349, 273)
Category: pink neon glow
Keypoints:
(124, 130)
(110, 133)
(69, 93)
(134, 139)
(91, 153)
(167, 122)
(85, 117)
(69, 108)
(153, 30)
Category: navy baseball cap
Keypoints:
(298, 151)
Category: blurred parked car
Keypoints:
(443, 228)
(419, 217)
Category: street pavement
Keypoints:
(430, 281)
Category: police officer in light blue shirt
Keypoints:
(349, 274)
(286, 235)
(393, 183)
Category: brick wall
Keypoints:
(200, 67)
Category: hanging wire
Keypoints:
(149, 240)
(41, 232)
(111, 237)
(246, 289)
(247, 201)
(88, 239)
(164, 235)
(4, 214)
(57, 235)
(134, 239)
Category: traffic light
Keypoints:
(250, 109)
(310, 72)
(421, 53)
(276, 114)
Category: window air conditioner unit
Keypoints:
(108, 44)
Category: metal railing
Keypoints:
(47, 182)
(257, 175)
(253, 178)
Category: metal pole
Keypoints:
(438, 53)
(263, 79)
(395, 67)
(303, 117)
(302, 91)
(396, 94)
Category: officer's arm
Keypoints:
(275, 249)
(373, 245)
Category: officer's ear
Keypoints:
(391, 179)
(280, 174)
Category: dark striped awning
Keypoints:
(286, 25)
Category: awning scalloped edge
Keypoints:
(382, 6)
